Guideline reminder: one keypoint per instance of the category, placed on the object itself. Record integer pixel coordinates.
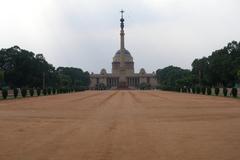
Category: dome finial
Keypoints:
(122, 19)
(122, 11)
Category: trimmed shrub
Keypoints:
(193, 90)
(209, 91)
(203, 89)
(31, 91)
(15, 92)
(49, 91)
(184, 90)
(179, 89)
(198, 90)
(102, 86)
(5, 93)
(225, 91)
(58, 91)
(189, 90)
(38, 91)
(217, 91)
(54, 90)
(24, 92)
(234, 92)
(44, 91)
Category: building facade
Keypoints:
(123, 75)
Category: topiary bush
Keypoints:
(189, 90)
(38, 91)
(193, 90)
(4, 93)
(58, 91)
(225, 91)
(198, 90)
(184, 90)
(24, 92)
(234, 92)
(178, 89)
(209, 91)
(203, 89)
(49, 91)
(15, 92)
(217, 91)
(31, 91)
(102, 86)
(54, 90)
(44, 91)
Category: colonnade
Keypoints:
(112, 82)
(133, 81)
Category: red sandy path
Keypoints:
(120, 125)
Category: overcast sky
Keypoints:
(85, 33)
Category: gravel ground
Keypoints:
(120, 125)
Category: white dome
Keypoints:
(126, 54)
(142, 71)
(103, 71)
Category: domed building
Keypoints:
(123, 75)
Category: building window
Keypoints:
(148, 80)
(97, 80)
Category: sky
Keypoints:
(85, 33)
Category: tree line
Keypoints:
(220, 69)
(20, 68)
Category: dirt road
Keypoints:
(120, 125)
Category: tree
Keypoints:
(238, 75)
(220, 68)
(171, 78)
(200, 73)
(101, 86)
(23, 69)
(73, 77)
(144, 86)
(1, 77)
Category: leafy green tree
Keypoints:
(31, 91)
(209, 91)
(203, 89)
(144, 86)
(217, 90)
(44, 91)
(225, 91)
(15, 92)
(198, 90)
(1, 77)
(49, 90)
(221, 68)
(38, 91)
(193, 90)
(24, 92)
(171, 78)
(200, 68)
(101, 86)
(234, 92)
(54, 90)
(23, 69)
(238, 76)
(73, 77)
(4, 93)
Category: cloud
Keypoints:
(85, 33)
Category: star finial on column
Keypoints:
(122, 11)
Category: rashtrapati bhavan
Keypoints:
(123, 75)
